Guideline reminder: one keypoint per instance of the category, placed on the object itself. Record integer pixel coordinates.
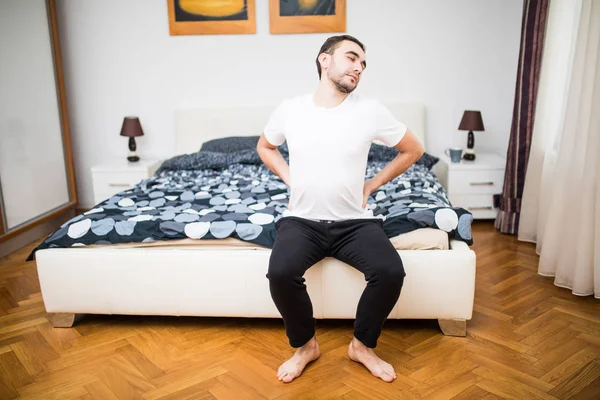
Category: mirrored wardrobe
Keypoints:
(37, 182)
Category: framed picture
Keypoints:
(307, 16)
(211, 17)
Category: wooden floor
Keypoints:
(527, 340)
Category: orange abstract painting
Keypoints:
(209, 17)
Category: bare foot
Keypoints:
(293, 367)
(366, 356)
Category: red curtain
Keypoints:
(533, 27)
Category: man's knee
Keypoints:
(390, 271)
(282, 267)
(394, 275)
(278, 275)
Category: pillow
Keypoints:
(428, 160)
(379, 152)
(233, 144)
(230, 144)
(422, 239)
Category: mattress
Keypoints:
(419, 239)
(231, 282)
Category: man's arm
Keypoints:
(273, 159)
(410, 151)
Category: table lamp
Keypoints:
(132, 128)
(471, 121)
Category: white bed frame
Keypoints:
(230, 281)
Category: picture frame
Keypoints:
(211, 17)
(307, 16)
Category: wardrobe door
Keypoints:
(36, 168)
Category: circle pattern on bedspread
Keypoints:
(261, 219)
(142, 217)
(186, 217)
(446, 219)
(103, 226)
(187, 196)
(78, 229)
(248, 231)
(125, 202)
(125, 228)
(222, 229)
(464, 226)
(197, 230)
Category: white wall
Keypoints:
(120, 60)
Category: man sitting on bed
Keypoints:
(329, 133)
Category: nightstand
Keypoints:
(118, 175)
(472, 184)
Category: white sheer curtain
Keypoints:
(560, 209)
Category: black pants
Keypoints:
(361, 243)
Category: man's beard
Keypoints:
(342, 86)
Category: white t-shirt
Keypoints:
(328, 152)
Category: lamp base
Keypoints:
(469, 154)
(133, 157)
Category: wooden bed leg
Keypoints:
(453, 327)
(61, 320)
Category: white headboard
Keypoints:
(194, 126)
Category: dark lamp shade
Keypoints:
(131, 127)
(471, 121)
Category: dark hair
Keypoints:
(333, 43)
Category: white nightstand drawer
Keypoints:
(480, 205)
(476, 182)
(472, 184)
(100, 197)
(106, 182)
(117, 175)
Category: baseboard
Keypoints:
(35, 233)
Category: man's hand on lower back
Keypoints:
(367, 190)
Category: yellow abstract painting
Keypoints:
(307, 16)
(208, 17)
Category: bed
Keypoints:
(192, 263)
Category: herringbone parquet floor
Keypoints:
(527, 340)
